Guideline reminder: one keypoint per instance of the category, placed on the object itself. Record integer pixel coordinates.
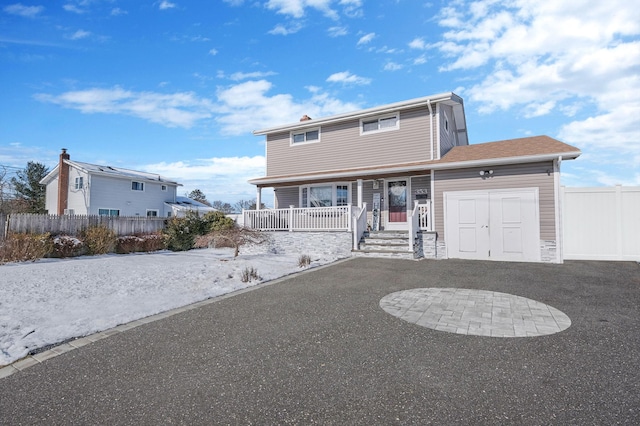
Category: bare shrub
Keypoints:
(304, 261)
(234, 237)
(67, 246)
(25, 247)
(140, 243)
(249, 274)
(99, 240)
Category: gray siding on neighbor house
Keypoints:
(534, 175)
(341, 146)
(110, 193)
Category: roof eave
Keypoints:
(262, 182)
(441, 97)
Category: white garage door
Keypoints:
(495, 224)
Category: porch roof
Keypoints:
(512, 151)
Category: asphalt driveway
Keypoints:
(318, 349)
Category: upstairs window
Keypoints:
(379, 124)
(79, 183)
(137, 186)
(312, 135)
(163, 187)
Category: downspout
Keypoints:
(430, 128)
(559, 211)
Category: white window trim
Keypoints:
(163, 188)
(305, 131)
(80, 180)
(140, 182)
(378, 118)
(334, 192)
(153, 210)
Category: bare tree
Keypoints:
(222, 206)
(234, 237)
(199, 196)
(247, 205)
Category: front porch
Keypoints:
(338, 219)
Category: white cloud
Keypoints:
(22, 10)
(117, 11)
(171, 110)
(73, 8)
(392, 66)
(280, 29)
(250, 75)
(345, 77)
(366, 39)
(297, 8)
(247, 106)
(219, 178)
(79, 35)
(213, 52)
(418, 43)
(337, 31)
(164, 5)
(578, 58)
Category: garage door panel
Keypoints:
(494, 224)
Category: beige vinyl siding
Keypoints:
(420, 182)
(285, 197)
(534, 175)
(341, 146)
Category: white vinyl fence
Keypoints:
(75, 224)
(601, 223)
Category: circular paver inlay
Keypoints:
(475, 312)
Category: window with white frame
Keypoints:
(380, 124)
(325, 195)
(163, 187)
(108, 212)
(137, 186)
(305, 136)
(152, 213)
(79, 183)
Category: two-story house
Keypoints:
(74, 187)
(496, 200)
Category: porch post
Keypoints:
(360, 193)
(258, 197)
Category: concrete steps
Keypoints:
(385, 244)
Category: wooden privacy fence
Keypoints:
(75, 224)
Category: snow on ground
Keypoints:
(52, 300)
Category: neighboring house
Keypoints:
(182, 205)
(79, 188)
(497, 200)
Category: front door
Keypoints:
(397, 195)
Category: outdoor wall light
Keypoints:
(486, 172)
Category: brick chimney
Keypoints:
(63, 182)
(305, 118)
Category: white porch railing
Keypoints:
(424, 216)
(414, 225)
(359, 224)
(299, 219)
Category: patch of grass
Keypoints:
(249, 274)
(304, 261)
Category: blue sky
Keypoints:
(176, 87)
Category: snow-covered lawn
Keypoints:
(53, 300)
